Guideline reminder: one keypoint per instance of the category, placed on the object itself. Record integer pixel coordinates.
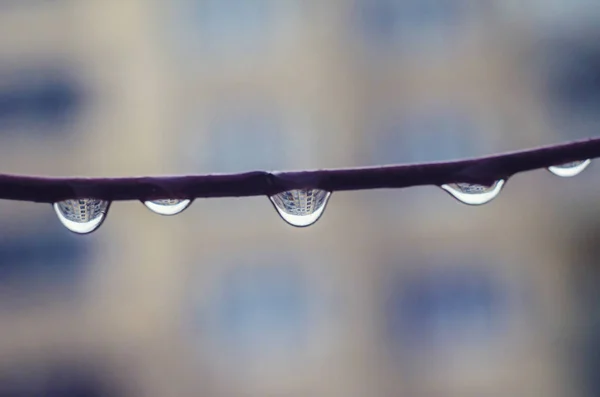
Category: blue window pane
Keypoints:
(572, 71)
(390, 22)
(224, 25)
(427, 136)
(38, 99)
(246, 140)
(555, 14)
(41, 257)
(262, 309)
(57, 381)
(458, 306)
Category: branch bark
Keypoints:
(483, 170)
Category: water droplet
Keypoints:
(570, 169)
(167, 206)
(82, 215)
(474, 194)
(301, 207)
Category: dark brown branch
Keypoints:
(484, 170)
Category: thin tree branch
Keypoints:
(483, 170)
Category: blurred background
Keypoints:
(393, 292)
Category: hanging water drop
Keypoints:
(301, 207)
(82, 216)
(570, 169)
(167, 206)
(474, 194)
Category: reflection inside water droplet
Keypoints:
(301, 207)
(82, 215)
(167, 206)
(570, 169)
(474, 194)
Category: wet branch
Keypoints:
(483, 170)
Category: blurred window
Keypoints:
(552, 14)
(585, 243)
(261, 311)
(40, 258)
(230, 27)
(458, 306)
(247, 138)
(411, 23)
(56, 381)
(432, 135)
(39, 101)
(571, 68)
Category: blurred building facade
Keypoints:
(391, 293)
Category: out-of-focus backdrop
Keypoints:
(393, 292)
